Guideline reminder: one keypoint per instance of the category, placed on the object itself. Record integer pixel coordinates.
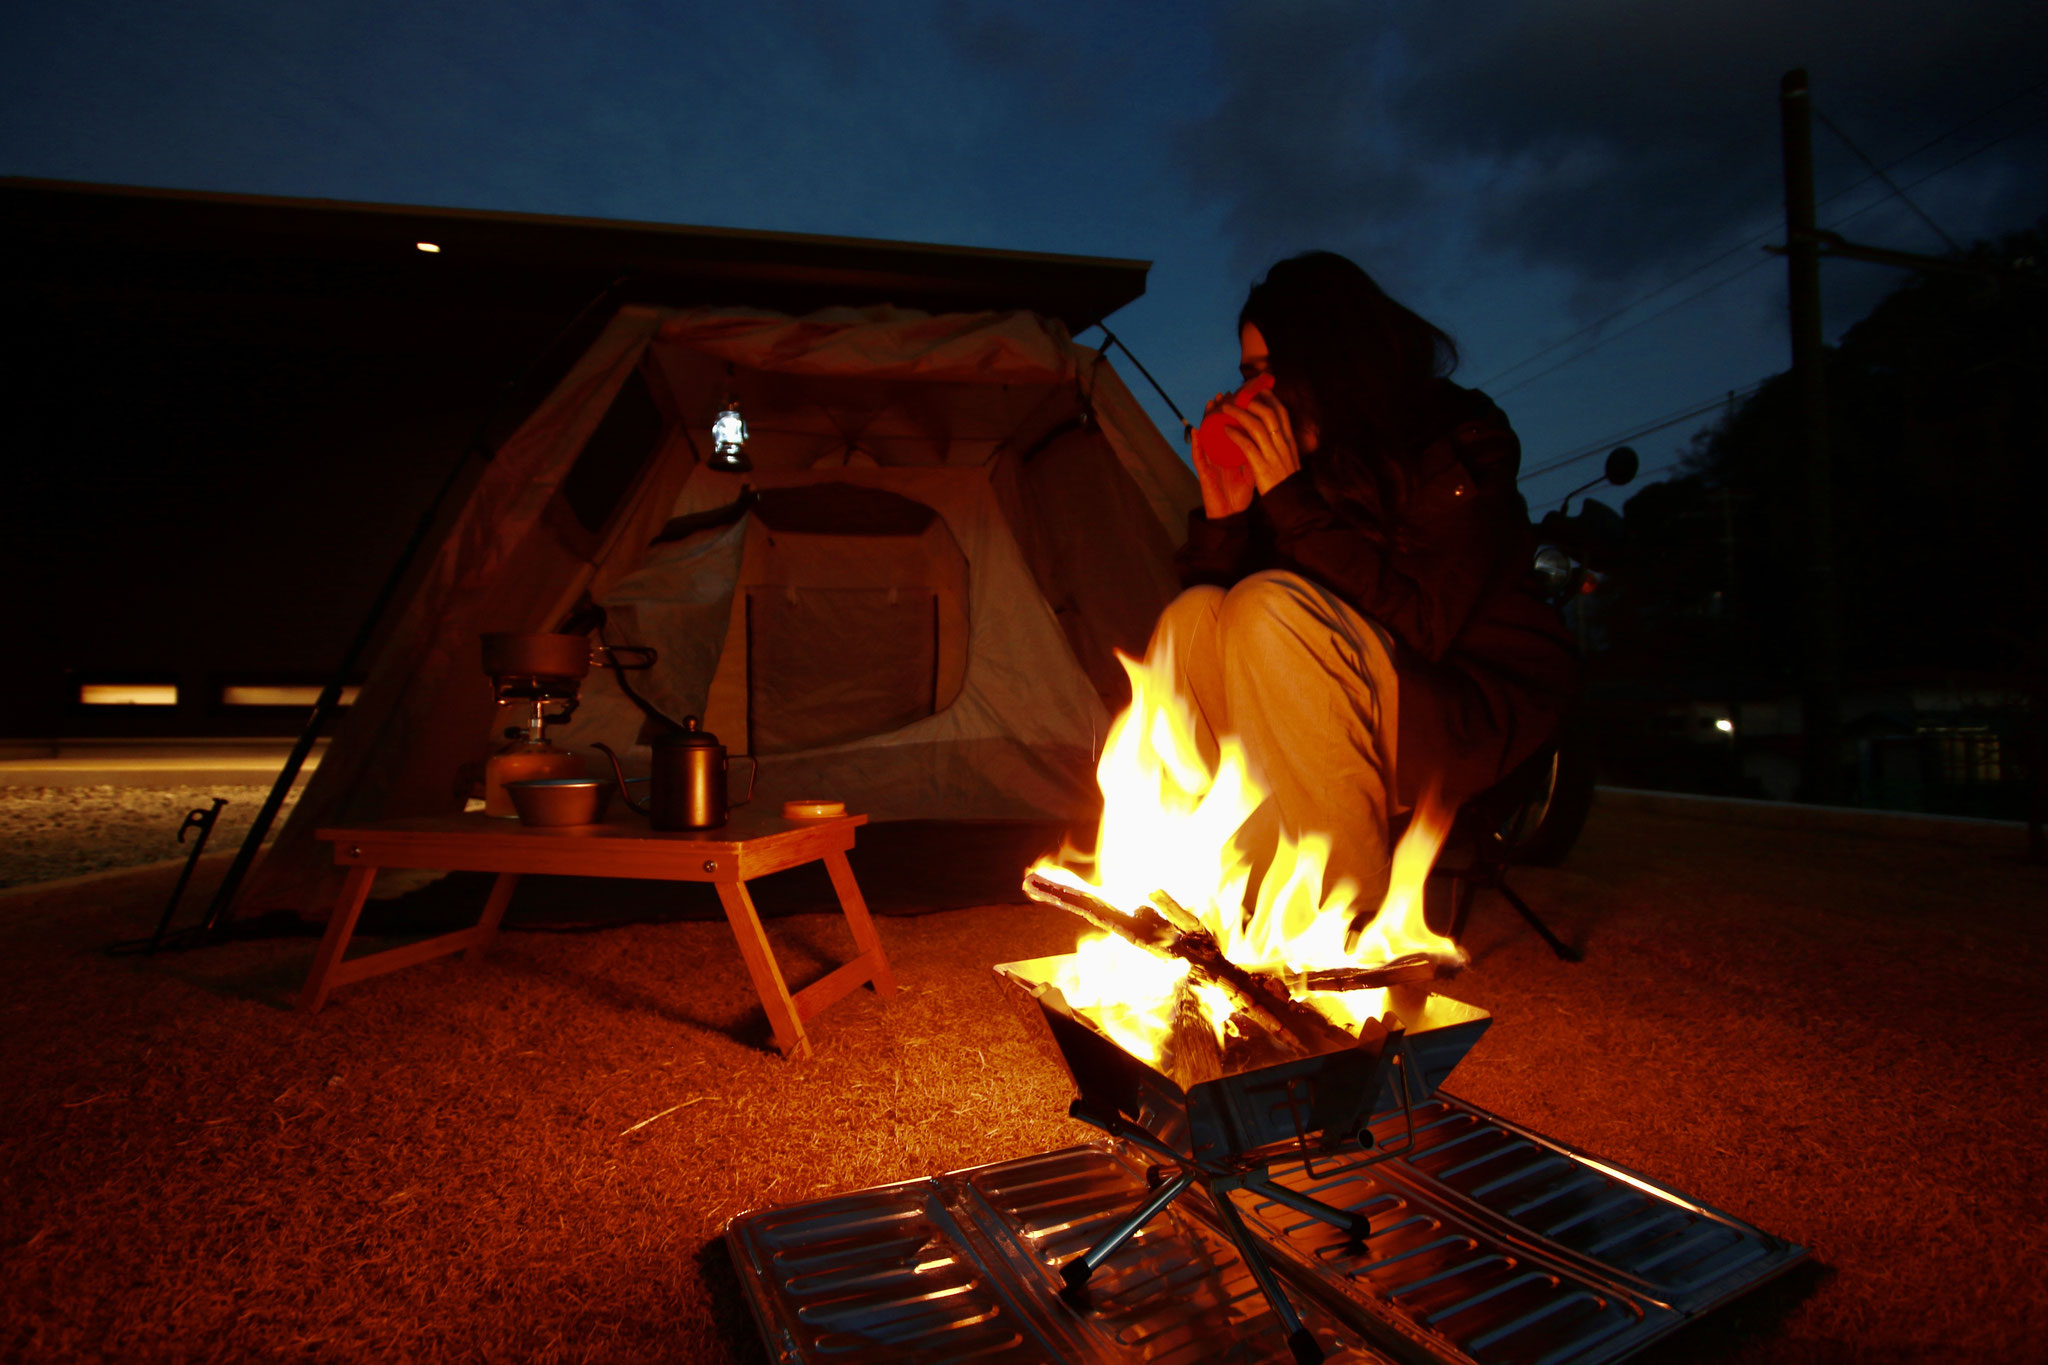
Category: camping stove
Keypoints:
(1315, 1115)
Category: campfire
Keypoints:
(1179, 959)
(1220, 1029)
(1287, 1059)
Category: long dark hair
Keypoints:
(1350, 359)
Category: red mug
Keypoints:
(1214, 434)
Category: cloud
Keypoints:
(1012, 42)
(1300, 144)
(1611, 138)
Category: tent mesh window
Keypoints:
(616, 453)
(830, 665)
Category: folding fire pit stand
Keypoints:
(754, 844)
(1235, 1128)
(1248, 1171)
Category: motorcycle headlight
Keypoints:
(1553, 568)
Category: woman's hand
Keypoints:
(1265, 434)
(1225, 492)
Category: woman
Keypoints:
(1359, 611)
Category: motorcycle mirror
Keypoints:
(1622, 465)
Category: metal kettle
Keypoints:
(689, 780)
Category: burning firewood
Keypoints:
(1249, 1045)
(1412, 970)
(1191, 1052)
(1168, 930)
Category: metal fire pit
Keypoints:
(1226, 1133)
(1316, 1103)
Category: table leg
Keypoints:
(768, 983)
(864, 936)
(341, 925)
(494, 911)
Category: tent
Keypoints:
(911, 602)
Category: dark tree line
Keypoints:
(1939, 431)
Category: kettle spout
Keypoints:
(619, 775)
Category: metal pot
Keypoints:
(551, 802)
(535, 654)
(690, 775)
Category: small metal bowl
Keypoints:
(554, 801)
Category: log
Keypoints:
(1410, 970)
(1249, 1045)
(1155, 927)
(1191, 1054)
(1144, 926)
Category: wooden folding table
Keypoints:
(753, 844)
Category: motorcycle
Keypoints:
(1547, 799)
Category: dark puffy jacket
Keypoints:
(1443, 564)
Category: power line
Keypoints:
(1759, 238)
(1632, 304)
(1635, 326)
(1890, 184)
(1946, 167)
(1940, 138)
(1602, 446)
(1665, 468)
(1592, 449)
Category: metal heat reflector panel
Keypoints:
(1494, 1245)
(1490, 1245)
(965, 1267)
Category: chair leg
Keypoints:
(1462, 900)
(1557, 945)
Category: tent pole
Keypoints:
(1186, 427)
(221, 909)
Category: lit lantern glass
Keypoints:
(729, 440)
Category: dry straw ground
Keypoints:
(1840, 1039)
(48, 833)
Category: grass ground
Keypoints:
(1839, 1039)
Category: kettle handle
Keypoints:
(619, 775)
(753, 772)
(622, 656)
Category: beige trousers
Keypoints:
(1307, 685)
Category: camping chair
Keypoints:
(1488, 833)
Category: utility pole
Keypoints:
(1730, 639)
(1822, 690)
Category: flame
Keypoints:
(1173, 821)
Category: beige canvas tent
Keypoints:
(911, 602)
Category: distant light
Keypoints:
(432, 247)
(1725, 726)
(239, 695)
(128, 694)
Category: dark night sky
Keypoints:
(1518, 170)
